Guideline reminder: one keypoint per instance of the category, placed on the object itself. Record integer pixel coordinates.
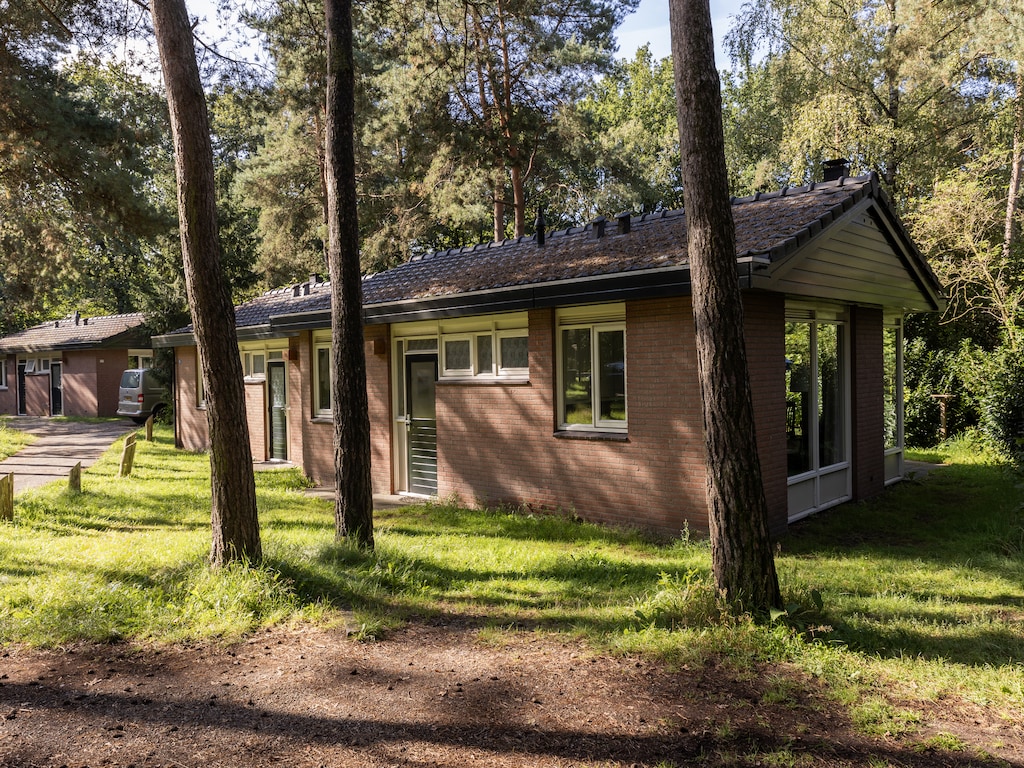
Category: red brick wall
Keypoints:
(298, 390)
(109, 367)
(496, 442)
(37, 394)
(9, 395)
(255, 411)
(78, 379)
(378, 394)
(765, 319)
(318, 433)
(193, 433)
(90, 380)
(867, 383)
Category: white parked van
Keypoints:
(140, 395)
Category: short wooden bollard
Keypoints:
(128, 455)
(7, 497)
(75, 478)
(149, 429)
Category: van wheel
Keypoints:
(139, 419)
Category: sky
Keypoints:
(649, 24)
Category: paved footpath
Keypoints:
(60, 446)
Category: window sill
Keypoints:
(481, 382)
(589, 434)
(322, 419)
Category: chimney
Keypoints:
(538, 225)
(598, 225)
(623, 222)
(78, 316)
(835, 169)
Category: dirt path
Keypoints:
(427, 696)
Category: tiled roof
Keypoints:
(768, 225)
(86, 332)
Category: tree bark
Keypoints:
(353, 501)
(741, 549)
(1013, 194)
(236, 531)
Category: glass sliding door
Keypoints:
(817, 413)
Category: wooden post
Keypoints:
(149, 429)
(128, 455)
(7, 497)
(75, 478)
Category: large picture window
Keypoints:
(815, 399)
(592, 371)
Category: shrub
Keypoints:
(1003, 407)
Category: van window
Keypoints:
(131, 379)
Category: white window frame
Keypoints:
(3, 373)
(496, 354)
(30, 365)
(459, 373)
(321, 410)
(596, 320)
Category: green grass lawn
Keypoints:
(12, 440)
(915, 596)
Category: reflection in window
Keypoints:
(457, 355)
(484, 354)
(798, 397)
(611, 350)
(576, 362)
(831, 404)
(593, 371)
(515, 352)
(815, 396)
(891, 398)
(323, 379)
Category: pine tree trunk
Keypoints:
(236, 532)
(741, 549)
(1013, 194)
(353, 502)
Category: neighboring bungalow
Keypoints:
(559, 371)
(71, 366)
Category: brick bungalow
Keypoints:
(559, 371)
(71, 366)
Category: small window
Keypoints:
(485, 354)
(200, 388)
(458, 357)
(514, 353)
(323, 381)
(44, 364)
(30, 366)
(3, 374)
(275, 356)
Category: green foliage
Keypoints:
(1003, 407)
(628, 141)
